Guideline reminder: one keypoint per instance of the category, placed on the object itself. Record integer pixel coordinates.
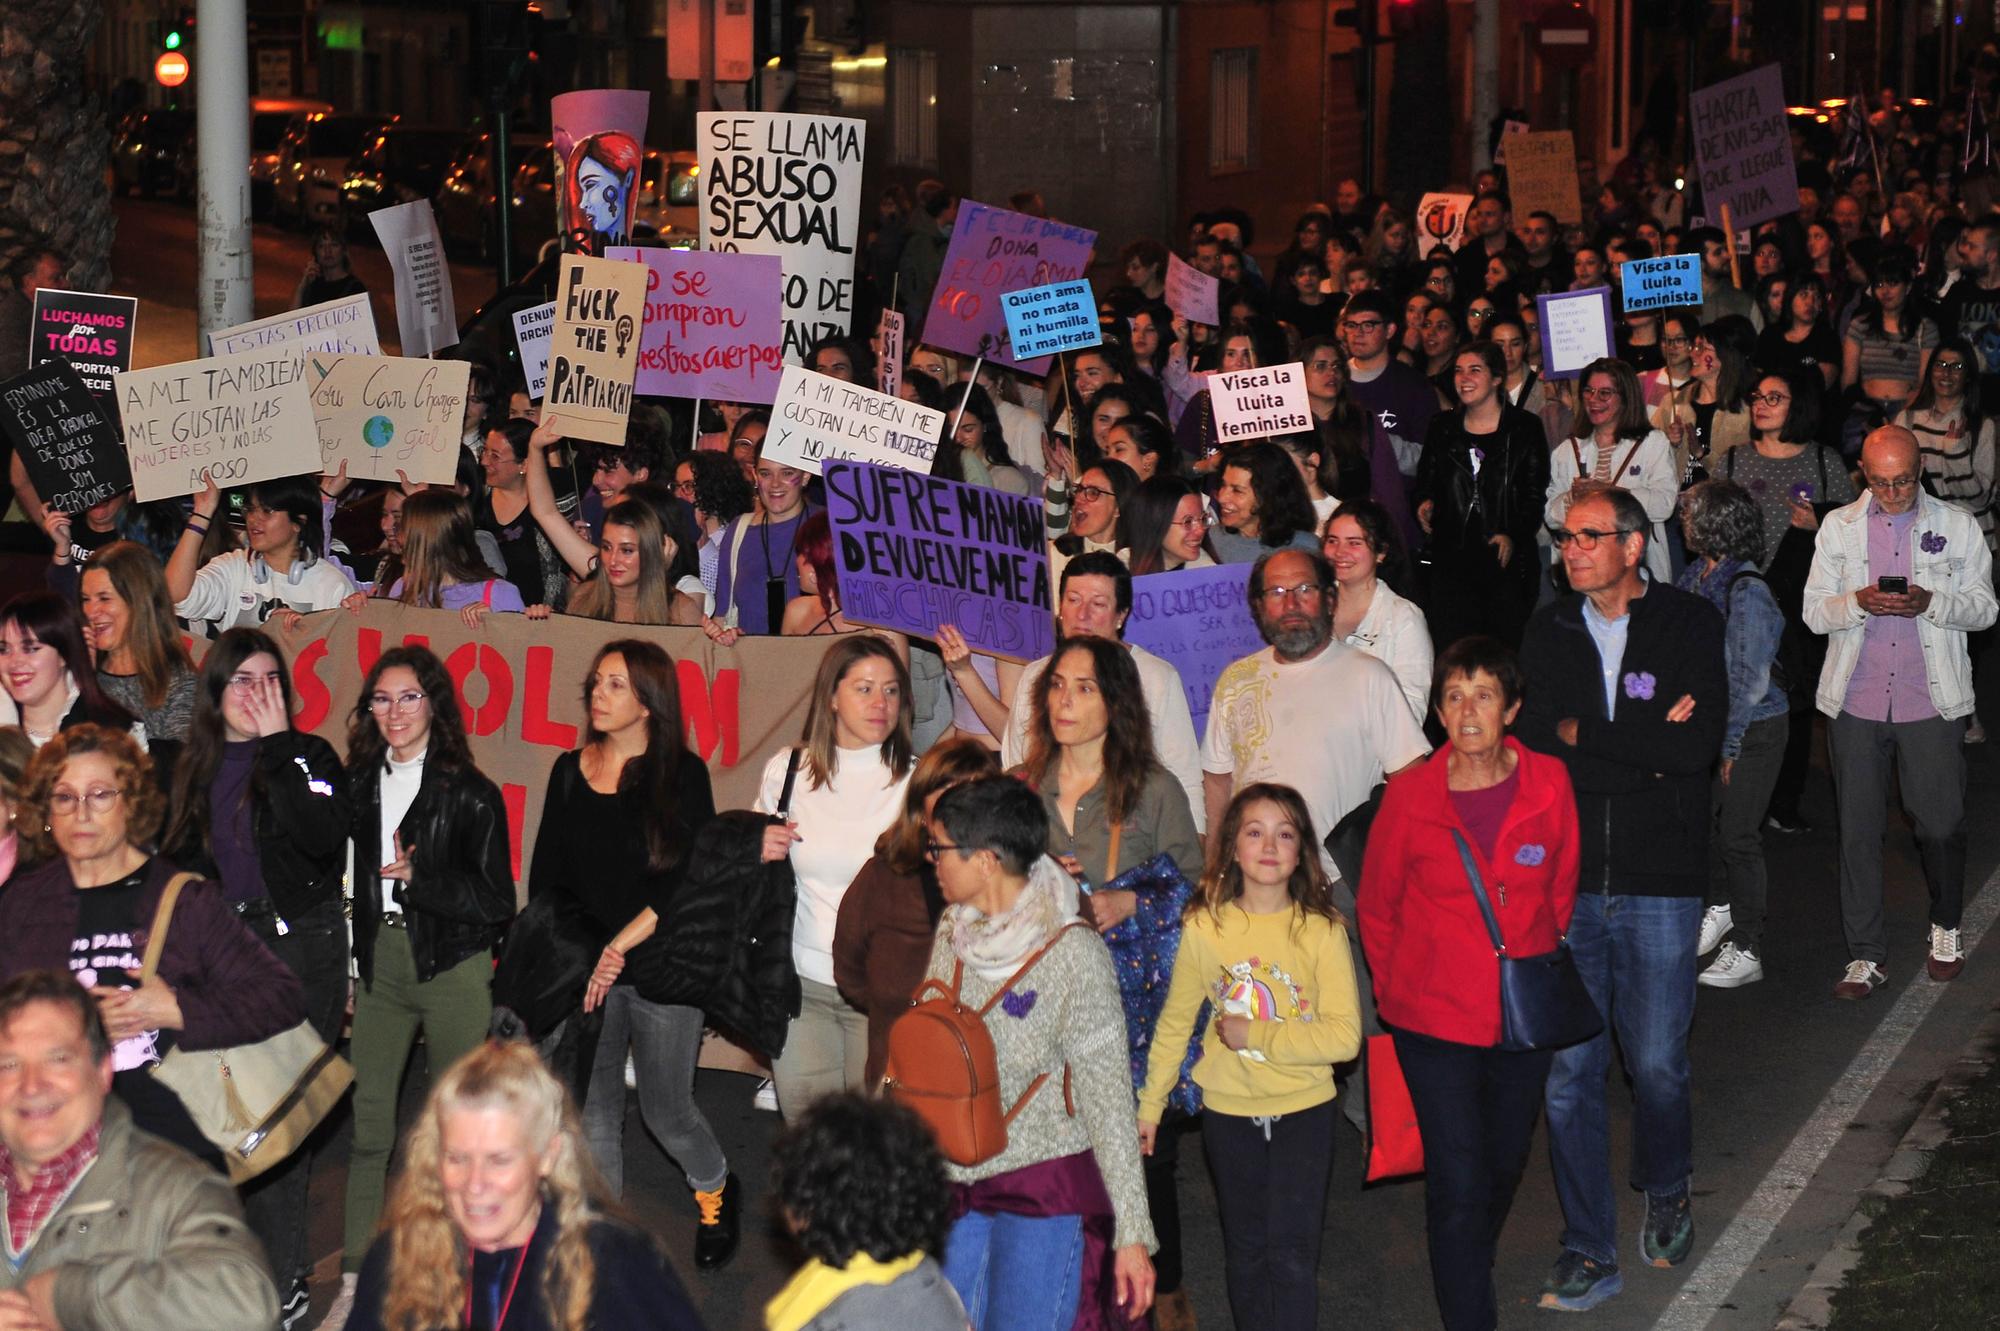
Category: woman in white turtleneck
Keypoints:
(847, 779)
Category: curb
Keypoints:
(1812, 1307)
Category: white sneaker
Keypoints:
(1862, 979)
(1715, 922)
(766, 1097)
(1733, 966)
(343, 1304)
(1946, 960)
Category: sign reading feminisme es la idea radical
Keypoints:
(63, 435)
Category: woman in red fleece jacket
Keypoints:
(1437, 980)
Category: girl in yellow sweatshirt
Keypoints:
(1264, 945)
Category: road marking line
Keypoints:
(1709, 1285)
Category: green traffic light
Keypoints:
(173, 42)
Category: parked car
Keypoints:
(467, 210)
(400, 164)
(144, 149)
(270, 119)
(311, 161)
(665, 211)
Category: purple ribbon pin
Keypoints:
(1531, 854)
(1639, 684)
(1018, 1005)
(1932, 543)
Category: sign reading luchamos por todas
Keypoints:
(1249, 404)
(594, 352)
(1060, 316)
(230, 419)
(817, 420)
(92, 332)
(381, 415)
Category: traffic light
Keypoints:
(172, 41)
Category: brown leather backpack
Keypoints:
(942, 1065)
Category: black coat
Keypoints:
(301, 816)
(1512, 485)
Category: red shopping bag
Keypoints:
(1395, 1147)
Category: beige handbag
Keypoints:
(256, 1102)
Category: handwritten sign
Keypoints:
(1743, 147)
(426, 319)
(344, 327)
(533, 327)
(1061, 316)
(1191, 293)
(1576, 330)
(994, 251)
(788, 185)
(1541, 175)
(1662, 283)
(1441, 222)
(714, 325)
(1198, 620)
(594, 351)
(385, 414)
(889, 352)
(819, 419)
(230, 419)
(1249, 404)
(64, 436)
(1508, 129)
(92, 332)
(917, 551)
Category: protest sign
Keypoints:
(1191, 293)
(1541, 175)
(917, 551)
(1198, 620)
(788, 185)
(385, 414)
(1743, 147)
(1508, 129)
(426, 319)
(1441, 222)
(1576, 330)
(818, 419)
(992, 252)
(533, 327)
(599, 138)
(230, 419)
(1251, 403)
(594, 351)
(889, 338)
(714, 326)
(344, 327)
(91, 331)
(64, 436)
(1061, 316)
(1662, 283)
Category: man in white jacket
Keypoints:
(1898, 580)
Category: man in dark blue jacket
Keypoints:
(1626, 684)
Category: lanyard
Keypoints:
(505, 1303)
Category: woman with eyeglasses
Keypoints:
(1954, 435)
(1887, 349)
(1708, 414)
(534, 565)
(1370, 614)
(1096, 521)
(1166, 520)
(426, 916)
(1618, 447)
(1678, 331)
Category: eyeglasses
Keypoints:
(64, 802)
(1585, 539)
(1602, 394)
(245, 683)
(1198, 522)
(1675, 341)
(1094, 493)
(1304, 591)
(402, 702)
(1893, 485)
(1948, 366)
(685, 489)
(1360, 325)
(933, 849)
(1767, 399)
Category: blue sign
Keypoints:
(1041, 321)
(1669, 282)
(1198, 620)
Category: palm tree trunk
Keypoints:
(54, 144)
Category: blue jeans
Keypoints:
(1016, 1272)
(1637, 959)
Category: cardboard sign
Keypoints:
(917, 551)
(1198, 620)
(1441, 222)
(90, 331)
(426, 319)
(1191, 293)
(599, 139)
(1042, 321)
(344, 327)
(384, 414)
(64, 436)
(1576, 330)
(889, 352)
(818, 420)
(594, 351)
(230, 419)
(1249, 404)
(1541, 175)
(1663, 283)
(1743, 147)
(714, 326)
(1508, 130)
(994, 251)
(533, 327)
(788, 185)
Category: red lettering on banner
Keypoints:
(536, 728)
(368, 646)
(710, 710)
(315, 699)
(491, 713)
(515, 797)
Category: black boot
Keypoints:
(721, 1224)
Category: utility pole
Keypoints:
(224, 295)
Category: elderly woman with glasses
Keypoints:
(1616, 448)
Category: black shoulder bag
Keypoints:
(1543, 1004)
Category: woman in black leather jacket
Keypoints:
(1481, 484)
(262, 809)
(426, 919)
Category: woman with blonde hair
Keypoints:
(498, 1218)
(442, 567)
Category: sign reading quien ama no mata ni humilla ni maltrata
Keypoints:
(1061, 316)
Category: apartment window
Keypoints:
(1232, 110)
(913, 74)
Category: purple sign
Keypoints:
(715, 324)
(993, 252)
(916, 551)
(1197, 620)
(1743, 147)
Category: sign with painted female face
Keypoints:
(599, 139)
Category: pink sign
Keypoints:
(992, 252)
(600, 142)
(715, 324)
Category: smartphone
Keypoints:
(1892, 586)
